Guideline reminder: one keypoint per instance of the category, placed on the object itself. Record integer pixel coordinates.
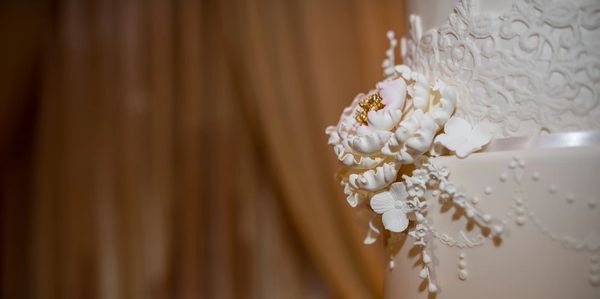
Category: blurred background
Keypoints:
(176, 149)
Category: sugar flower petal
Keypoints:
(382, 202)
(461, 138)
(384, 119)
(398, 190)
(395, 220)
(457, 126)
(393, 93)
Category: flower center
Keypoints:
(398, 204)
(372, 102)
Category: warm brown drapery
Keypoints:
(155, 149)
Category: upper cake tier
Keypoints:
(525, 68)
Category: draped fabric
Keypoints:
(156, 149)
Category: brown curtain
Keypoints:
(176, 149)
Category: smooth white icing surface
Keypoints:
(525, 67)
(433, 13)
(549, 201)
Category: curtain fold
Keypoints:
(155, 149)
(302, 58)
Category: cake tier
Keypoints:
(549, 202)
(525, 68)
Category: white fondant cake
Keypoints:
(524, 66)
(549, 201)
(466, 207)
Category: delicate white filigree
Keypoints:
(533, 68)
(428, 176)
(522, 211)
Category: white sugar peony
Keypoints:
(390, 126)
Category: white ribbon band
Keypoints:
(555, 140)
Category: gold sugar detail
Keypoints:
(371, 103)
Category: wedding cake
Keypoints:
(478, 158)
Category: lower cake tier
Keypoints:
(548, 201)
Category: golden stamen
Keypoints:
(371, 103)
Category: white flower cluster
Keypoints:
(394, 125)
